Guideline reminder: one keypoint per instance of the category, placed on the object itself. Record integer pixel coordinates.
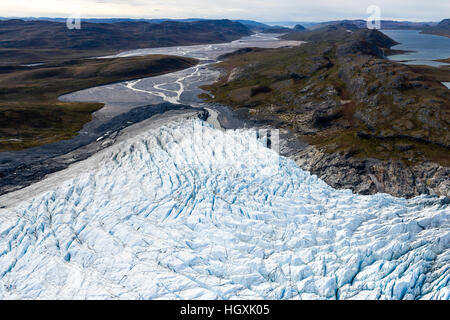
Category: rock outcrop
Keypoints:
(369, 176)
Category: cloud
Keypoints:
(268, 10)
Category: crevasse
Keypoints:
(185, 211)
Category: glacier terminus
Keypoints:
(169, 212)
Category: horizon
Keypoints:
(201, 18)
(267, 12)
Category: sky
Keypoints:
(260, 10)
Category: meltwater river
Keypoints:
(178, 87)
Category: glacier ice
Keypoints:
(185, 211)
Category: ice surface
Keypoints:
(186, 211)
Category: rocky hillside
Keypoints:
(442, 29)
(372, 125)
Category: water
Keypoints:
(427, 47)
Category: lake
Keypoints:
(427, 47)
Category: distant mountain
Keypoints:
(291, 24)
(385, 24)
(20, 34)
(249, 23)
(441, 29)
(252, 24)
(365, 40)
(335, 32)
(279, 29)
(264, 28)
(103, 20)
(276, 29)
(298, 27)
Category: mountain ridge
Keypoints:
(123, 35)
(385, 24)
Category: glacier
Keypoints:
(186, 211)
